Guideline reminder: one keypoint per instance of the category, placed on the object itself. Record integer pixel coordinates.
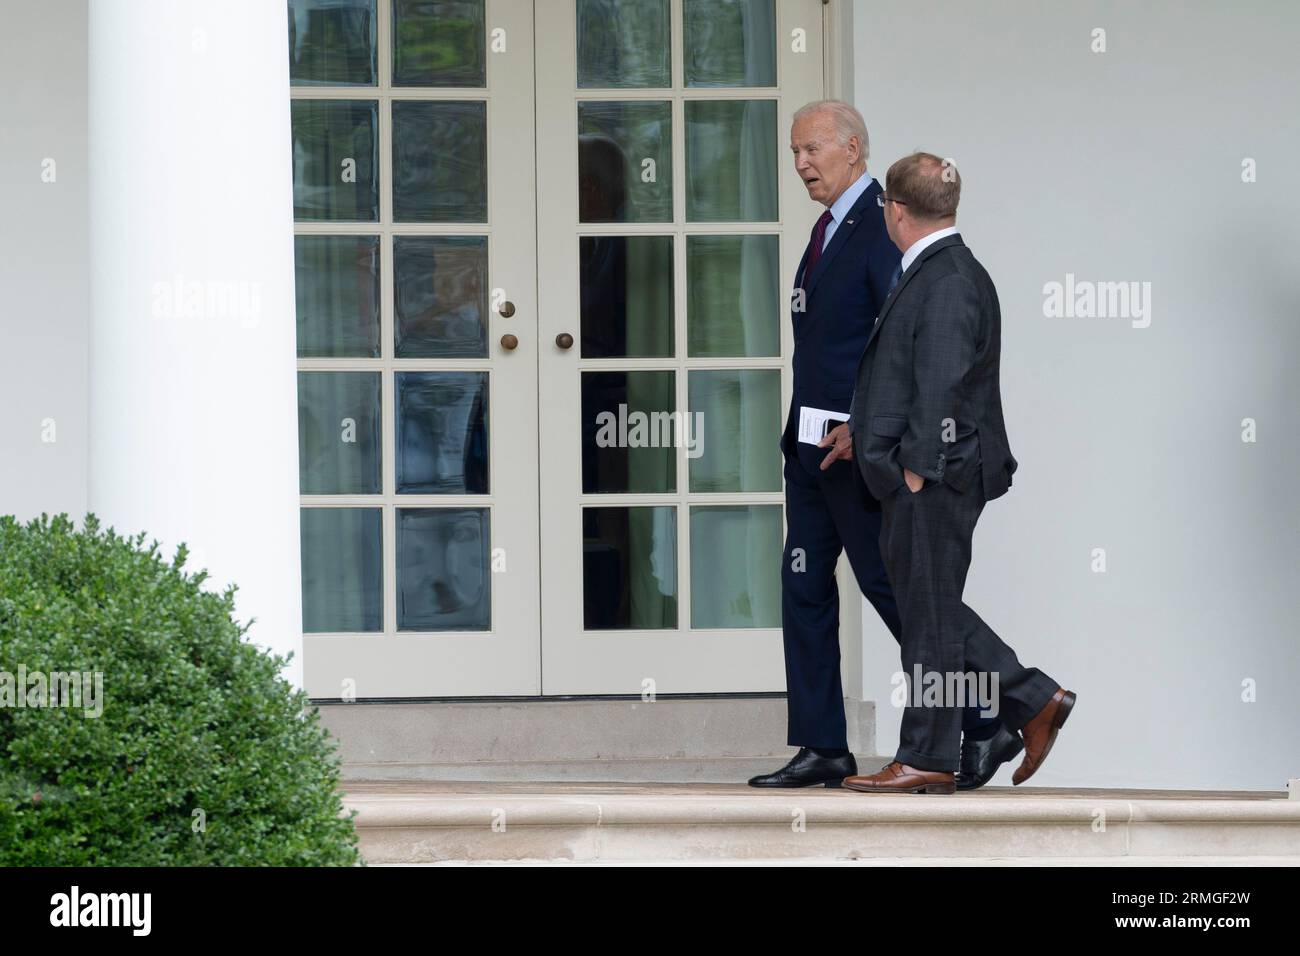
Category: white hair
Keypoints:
(848, 121)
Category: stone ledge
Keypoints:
(524, 810)
(410, 822)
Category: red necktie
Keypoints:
(815, 245)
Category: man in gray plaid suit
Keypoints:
(929, 438)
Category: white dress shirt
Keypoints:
(918, 247)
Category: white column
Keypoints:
(193, 395)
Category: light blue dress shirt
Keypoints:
(840, 208)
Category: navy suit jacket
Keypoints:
(845, 293)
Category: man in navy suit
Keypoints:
(845, 275)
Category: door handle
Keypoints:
(564, 340)
(509, 342)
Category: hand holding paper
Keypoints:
(842, 440)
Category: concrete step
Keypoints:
(414, 822)
(723, 770)
(711, 739)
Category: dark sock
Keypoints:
(829, 751)
(983, 731)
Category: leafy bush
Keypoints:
(202, 755)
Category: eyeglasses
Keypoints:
(881, 199)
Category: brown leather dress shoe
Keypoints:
(900, 778)
(1040, 733)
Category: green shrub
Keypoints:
(203, 754)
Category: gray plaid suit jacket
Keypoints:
(927, 396)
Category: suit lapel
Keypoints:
(905, 278)
(852, 219)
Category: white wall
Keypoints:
(1126, 165)
(43, 298)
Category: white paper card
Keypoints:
(812, 423)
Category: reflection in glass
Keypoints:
(332, 141)
(442, 439)
(338, 433)
(342, 570)
(627, 296)
(731, 161)
(739, 412)
(332, 43)
(625, 171)
(439, 43)
(629, 568)
(736, 566)
(444, 569)
(732, 296)
(440, 296)
(336, 279)
(729, 42)
(439, 161)
(623, 44)
(628, 432)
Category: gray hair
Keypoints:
(848, 121)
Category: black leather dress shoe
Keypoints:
(807, 769)
(980, 759)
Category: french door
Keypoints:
(417, 310)
(543, 252)
(664, 193)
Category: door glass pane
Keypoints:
(342, 570)
(439, 43)
(442, 433)
(736, 566)
(628, 432)
(335, 159)
(729, 42)
(625, 162)
(444, 569)
(338, 433)
(440, 296)
(627, 296)
(337, 291)
(733, 297)
(731, 161)
(738, 412)
(623, 44)
(332, 43)
(629, 568)
(439, 161)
